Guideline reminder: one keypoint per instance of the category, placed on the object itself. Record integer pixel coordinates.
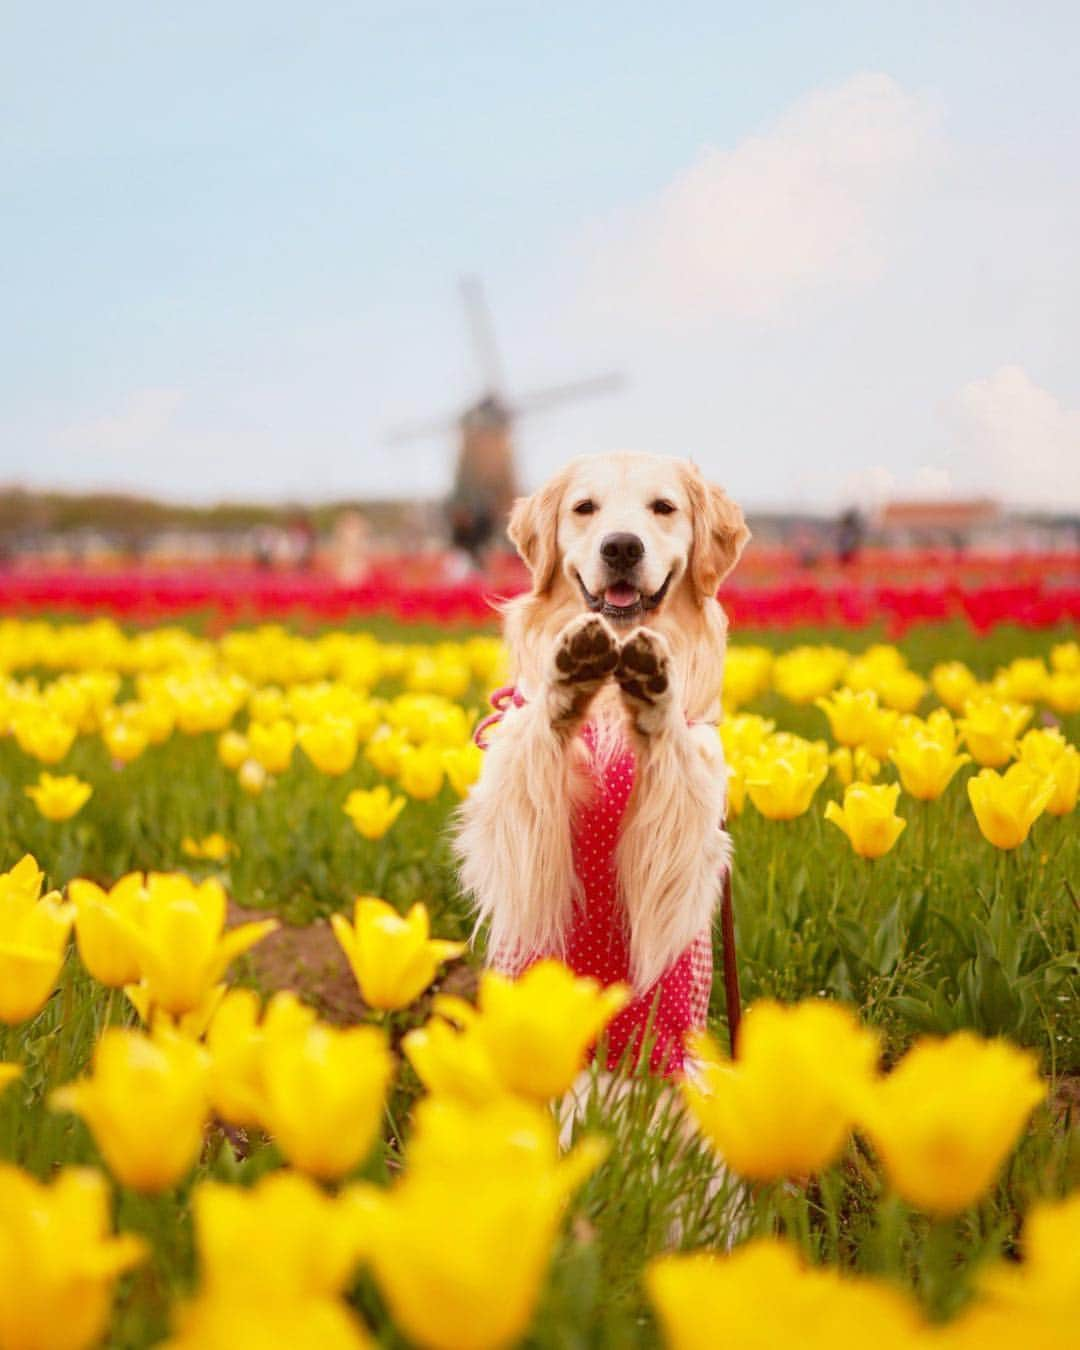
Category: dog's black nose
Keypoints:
(621, 551)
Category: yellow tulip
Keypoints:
(233, 749)
(1065, 656)
(393, 958)
(267, 1323)
(22, 883)
(1050, 754)
(33, 935)
(156, 718)
(804, 674)
(926, 764)
(785, 1107)
(463, 764)
(744, 734)
(1025, 679)
(104, 921)
(782, 780)
(763, 1296)
(385, 751)
(8, 1074)
(183, 948)
(990, 729)
(59, 798)
(496, 1175)
(145, 1103)
(1063, 691)
(947, 1116)
(538, 1028)
(267, 704)
(501, 1139)
(953, 683)
(851, 715)
(331, 744)
(252, 777)
(323, 1095)
(206, 702)
(868, 817)
(881, 729)
(1007, 805)
(373, 811)
(43, 735)
(191, 1024)
(58, 1259)
(421, 772)
(282, 1237)
(237, 1039)
(125, 738)
(272, 744)
(901, 690)
(487, 658)
(747, 673)
(870, 668)
(1036, 1301)
(452, 1063)
(210, 848)
(857, 765)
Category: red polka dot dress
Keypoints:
(597, 943)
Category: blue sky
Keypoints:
(832, 248)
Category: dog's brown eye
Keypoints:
(662, 508)
(585, 508)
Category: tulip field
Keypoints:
(257, 1092)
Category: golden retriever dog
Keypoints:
(617, 656)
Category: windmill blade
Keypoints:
(566, 393)
(417, 431)
(482, 331)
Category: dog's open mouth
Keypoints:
(621, 601)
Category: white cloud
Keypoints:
(142, 420)
(154, 440)
(872, 487)
(1017, 440)
(809, 202)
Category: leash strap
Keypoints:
(732, 995)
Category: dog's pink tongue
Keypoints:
(622, 595)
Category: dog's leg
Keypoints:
(644, 674)
(514, 831)
(672, 851)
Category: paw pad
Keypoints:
(642, 669)
(587, 653)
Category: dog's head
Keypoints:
(626, 531)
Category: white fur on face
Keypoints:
(627, 495)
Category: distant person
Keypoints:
(349, 548)
(472, 527)
(264, 547)
(303, 539)
(849, 537)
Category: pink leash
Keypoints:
(501, 699)
(508, 696)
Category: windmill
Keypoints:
(485, 480)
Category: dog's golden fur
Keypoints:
(514, 832)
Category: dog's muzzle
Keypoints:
(621, 600)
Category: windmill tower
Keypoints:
(485, 478)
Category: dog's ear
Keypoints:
(533, 527)
(720, 534)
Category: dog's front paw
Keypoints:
(643, 673)
(586, 654)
